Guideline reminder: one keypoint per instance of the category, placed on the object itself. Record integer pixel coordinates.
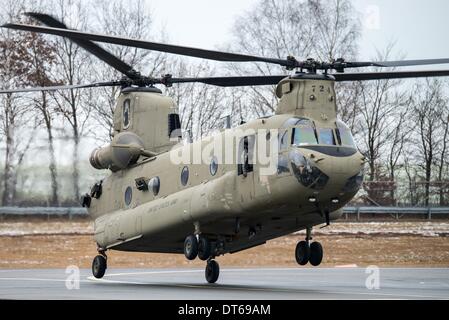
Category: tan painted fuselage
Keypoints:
(239, 210)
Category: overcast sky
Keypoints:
(419, 27)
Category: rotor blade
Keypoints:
(339, 77)
(63, 87)
(402, 63)
(181, 50)
(232, 81)
(88, 45)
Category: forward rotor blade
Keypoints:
(88, 45)
(340, 77)
(399, 63)
(181, 50)
(63, 87)
(232, 81)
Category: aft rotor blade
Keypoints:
(63, 87)
(232, 81)
(175, 49)
(340, 77)
(88, 45)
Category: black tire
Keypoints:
(316, 254)
(212, 271)
(302, 253)
(204, 248)
(99, 266)
(191, 247)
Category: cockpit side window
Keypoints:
(344, 135)
(326, 136)
(283, 140)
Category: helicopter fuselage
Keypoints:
(153, 204)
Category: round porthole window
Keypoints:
(185, 176)
(128, 195)
(154, 185)
(213, 167)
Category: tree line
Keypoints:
(401, 126)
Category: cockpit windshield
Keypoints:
(304, 135)
(326, 136)
(344, 135)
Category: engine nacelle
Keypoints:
(123, 151)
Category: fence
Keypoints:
(395, 212)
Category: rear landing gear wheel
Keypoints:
(316, 254)
(212, 271)
(204, 248)
(302, 253)
(191, 247)
(99, 266)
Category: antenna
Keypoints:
(228, 121)
(189, 136)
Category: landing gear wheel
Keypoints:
(316, 254)
(302, 253)
(191, 247)
(212, 271)
(99, 266)
(204, 248)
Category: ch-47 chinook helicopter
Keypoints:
(150, 204)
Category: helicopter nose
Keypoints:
(330, 178)
(346, 173)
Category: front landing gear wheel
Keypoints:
(302, 253)
(99, 266)
(191, 247)
(212, 271)
(316, 254)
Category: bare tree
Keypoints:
(42, 54)
(72, 67)
(397, 144)
(324, 30)
(131, 19)
(16, 115)
(443, 161)
(380, 107)
(200, 106)
(431, 128)
(412, 174)
(337, 29)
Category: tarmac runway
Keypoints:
(233, 284)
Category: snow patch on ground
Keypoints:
(399, 228)
(15, 229)
(425, 229)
